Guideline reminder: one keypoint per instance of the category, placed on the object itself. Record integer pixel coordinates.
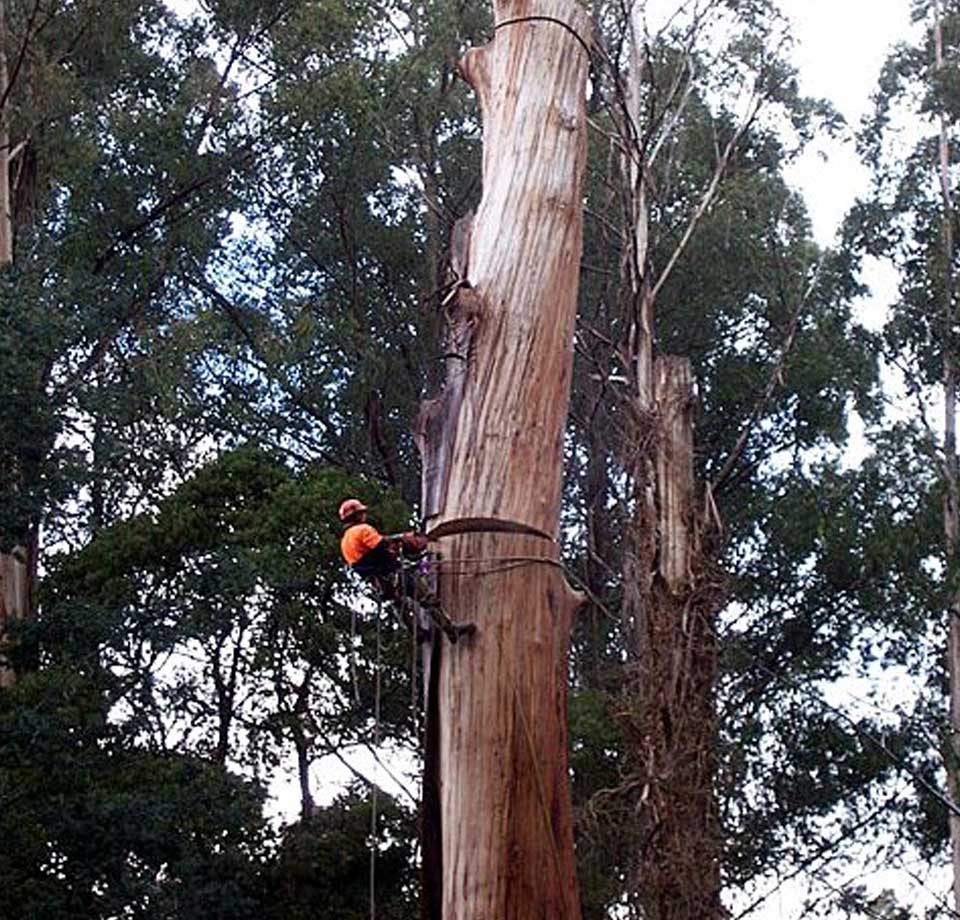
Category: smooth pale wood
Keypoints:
(675, 404)
(507, 833)
(513, 328)
(492, 447)
(14, 566)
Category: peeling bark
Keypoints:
(496, 759)
(670, 605)
(672, 586)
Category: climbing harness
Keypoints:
(413, 573)
(462, 565)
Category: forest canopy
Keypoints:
(226, 269)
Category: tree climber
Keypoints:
(378, 559)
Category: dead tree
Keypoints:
(673, 587)
(672, 592)
(498, 838)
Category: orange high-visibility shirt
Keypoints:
(357, 541)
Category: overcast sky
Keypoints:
(841, 46)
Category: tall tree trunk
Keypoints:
(951, 505)
(17, 568)
(492, 447)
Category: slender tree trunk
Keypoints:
(492, 446)
(951, 505)
(6, 211)
(671, 591)
(599, 540)
(307, 804)
(17, 568)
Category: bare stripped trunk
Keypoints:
(492, 446)
(951, 506)
(670, 605)
(670, 594)
(17, 567)
(15, 600)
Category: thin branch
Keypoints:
(708, 196)
(774, 380)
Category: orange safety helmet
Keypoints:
(350, 507)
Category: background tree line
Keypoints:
(227, 263)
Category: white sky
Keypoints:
(841, 47)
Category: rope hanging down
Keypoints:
(374, 823)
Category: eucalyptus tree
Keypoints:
(248, 246)
(909, 219)
(696, 247)
(330, 293)
(123, 141)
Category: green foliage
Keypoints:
(232, 245)
(607, 836)
(239, 571)
(324, 861)
(123, 165)
(215, 617)
(220, 240)
(903, 221)
(767, 319)
(94, 827)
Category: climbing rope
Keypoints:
(472, 525)
(414, 629)
(374, 823)
(353, 655)
(413, 681)
(461, 566)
